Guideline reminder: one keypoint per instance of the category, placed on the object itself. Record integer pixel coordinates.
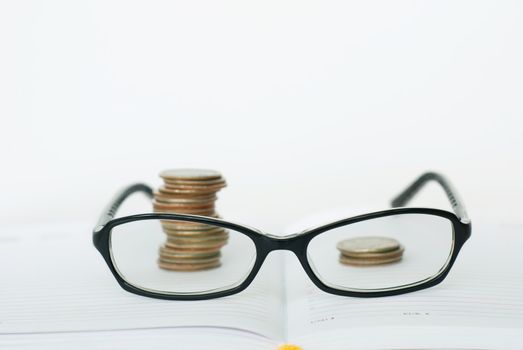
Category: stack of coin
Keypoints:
(372, 250)
(190, 246)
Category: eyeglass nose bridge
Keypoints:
(294, 243)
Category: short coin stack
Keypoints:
(372, 250)
(190, 246)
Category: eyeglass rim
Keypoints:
(296, 243)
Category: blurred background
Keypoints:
(302, 105)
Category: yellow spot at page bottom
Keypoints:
(289, 347)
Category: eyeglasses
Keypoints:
(426, 244)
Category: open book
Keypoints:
(57, 293)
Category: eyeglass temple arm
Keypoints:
(457, 204)
(110, 211)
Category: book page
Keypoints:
(478, 305)
(55, 281)
(193, 338)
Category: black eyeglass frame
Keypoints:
(296, 243)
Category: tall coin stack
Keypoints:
(190, 246)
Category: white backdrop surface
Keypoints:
(303, 105)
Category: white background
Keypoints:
(303, 105)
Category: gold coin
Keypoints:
(184, 207)
(190, 174)
(195, 237)
(179, 225)
(184, 199)
(214, 231)
(206, 234)
(189, 260)
(178, 249)
(204, 213)
(187, 192)
(187, 210)
(199, 237)
(195, 246)
(176, 254)
(367, 244)
(188, 267)
(200, 212)
(175, 204)
(368, 262)
(191, 230)
(385, 255)
(186, 242)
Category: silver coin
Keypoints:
(178, 182)
(190, 174)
